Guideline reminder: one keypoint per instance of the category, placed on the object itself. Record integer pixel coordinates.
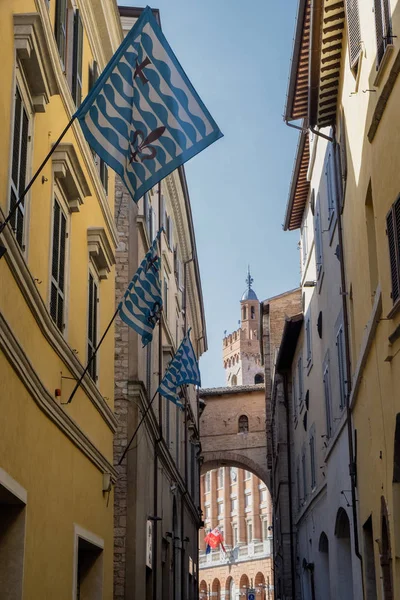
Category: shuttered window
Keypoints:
(300, 379)
(101, 165)
(169, 232)
(341, 366)
(19, 165)
(383, 28)
(328, 406)
(393, 234)
(61, 29)
(92, 325)
(354, 32)
(304, 470)
(165, 308)
(57, 288)
(77, 59)
(331, 185)
(294, 398)
(312, 461)
(318, 238)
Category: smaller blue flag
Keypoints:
(141, 305)
(208, 549)
(183, 369)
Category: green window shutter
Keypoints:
(60, 30)
(77, 59)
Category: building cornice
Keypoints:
(44, 400)
(51, 333)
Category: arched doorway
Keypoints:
(203, 590)
(244, 584)
(230, 589)
(216, 589)
(259, 584)
(322, 577)
(386, 555)
(343, 555)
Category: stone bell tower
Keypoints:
(241, 349)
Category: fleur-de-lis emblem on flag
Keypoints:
(144, 150)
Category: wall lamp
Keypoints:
(310, 284)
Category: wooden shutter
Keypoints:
(327, 391)
(92, 326)
(58, 266)
(170, 227)
(354, 33)
(77, 59)
(163, 216)
(312, 461)
(60, 31)
(341, 364)
(318, 239)
(382, 27)
(93, 74)
(393, 233)
(19, 164)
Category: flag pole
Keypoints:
(137, 428)
(78, 383)
(36, 175)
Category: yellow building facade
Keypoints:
(56, 299)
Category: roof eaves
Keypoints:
(290, 335)
(299, 177)
(300, 48)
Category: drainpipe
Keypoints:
(352, 466)
(292, 562)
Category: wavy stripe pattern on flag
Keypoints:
(183, 369)
(143, 117)
(141, 305)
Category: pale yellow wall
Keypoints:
(378, 399)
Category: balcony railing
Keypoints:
(237, 554)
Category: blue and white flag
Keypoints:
(182, 369)
(143, 117)
(141, 305)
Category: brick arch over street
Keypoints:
(232, 429)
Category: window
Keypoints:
(252, 312)
(393, 234)
(57, 287)
(220, 509)
(235, 534)
(208, 481)
(101, 165)
(169, 232)
(221, 477)
(263, 496)
(304, 471)
(244, 311)
(300, 379)
(304, 245)
(165, 299)
(248, 500)
(77, 59)
(207, 513)
(312, 461)
(19, 165)
(383, 28)
(89, 569)
(178, 437)
(341, 364)
(233, 380)
(265, 531)
(92, 326)
(233, 473)
(61, 29)
(234, 504)
(308, 339)
(247, 475)
(298, 487)
(249, 532)
(330, 185)
(328, 407)
(259, 378)
(371, 240)
(354, 32)
(243, 424)
(318, 239)
(294, 398)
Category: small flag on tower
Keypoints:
(141, 305)
(183, 369)
(143, 117)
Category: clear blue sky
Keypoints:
(237, 55)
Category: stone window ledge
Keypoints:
(67, 169)
(100, 251)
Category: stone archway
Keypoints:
(214, 460)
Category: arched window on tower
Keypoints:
(259, 378)
(243, 424)
(244, 317)
(234, 380)
(253, 313)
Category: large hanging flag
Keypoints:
(143, 117)
(182, 369)
(141, 305)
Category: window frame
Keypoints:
(318, 244)
(207, 482)
(394, 251)
(92, 273)
(308, 337)
(382, 28)
(58, 196)
(328, 397)
(300, 377)
(352, 14)
(341, 358)
(331, 186)
(24, 207)
(77, 58)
